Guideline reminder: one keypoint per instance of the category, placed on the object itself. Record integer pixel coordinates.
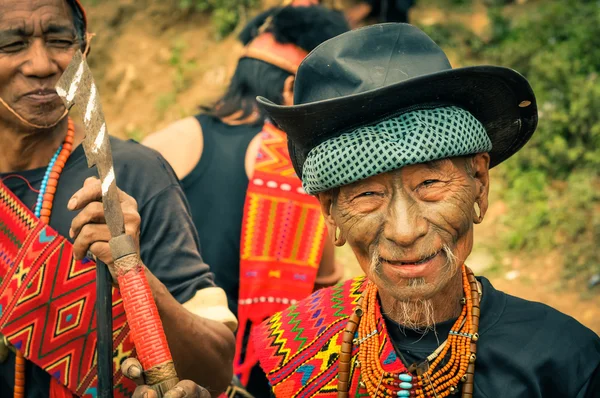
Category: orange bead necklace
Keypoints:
(435, 379)
(43, 210)
(57, 163)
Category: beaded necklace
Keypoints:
(43, 209)
(427, 380)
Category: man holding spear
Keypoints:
(51, 216)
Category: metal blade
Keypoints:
(77, 89)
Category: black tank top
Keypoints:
(216, 190)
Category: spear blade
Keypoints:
(78, 91)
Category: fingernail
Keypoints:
(72, 204)
(145, 395)
(135, 372)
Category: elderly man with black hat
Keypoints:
(50, 216)
(397, 147)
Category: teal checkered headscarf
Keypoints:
(414, 137)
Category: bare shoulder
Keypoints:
(251, 154)
(181, 144)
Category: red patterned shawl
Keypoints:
(283, 233)
(47, 303)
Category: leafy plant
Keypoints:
(135, 134)
(182, 67)
(454, 37)
(225, 14)
(553, 184)
(164, 102)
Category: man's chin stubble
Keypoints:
(413, 307)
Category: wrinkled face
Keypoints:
(37, 42)
(405, 226)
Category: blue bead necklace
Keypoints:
(40, 198)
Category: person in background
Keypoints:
(380, 10)
(261, 234)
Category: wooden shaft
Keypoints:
(468, 386)
(19, 390)
(343, 384)
(104, 324)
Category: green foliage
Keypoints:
(492, 3)
(454, 37)
(135, 134)
(225, 14)
(182, 67)
(554, 183)
(455, 5)
(164, 102)
(182, 71)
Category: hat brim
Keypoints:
(500, 98)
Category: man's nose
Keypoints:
(40, 63)
(405, 225)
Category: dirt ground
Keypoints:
(155, 64)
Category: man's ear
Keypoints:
(327, 203)
(288, 91)
(481, 175)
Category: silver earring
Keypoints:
(339, 240)
(478, 216)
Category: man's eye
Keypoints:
(429, 182)
(13, 47)
(61, 43)
(368, 193)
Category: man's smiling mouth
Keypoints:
(409, 262)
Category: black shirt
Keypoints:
(216, 190)
(168, 241)
(525, 349)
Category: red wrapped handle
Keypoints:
(142, 316)
(144, 321)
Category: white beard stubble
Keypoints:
(419, 314)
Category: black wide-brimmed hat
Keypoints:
(371, 74)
